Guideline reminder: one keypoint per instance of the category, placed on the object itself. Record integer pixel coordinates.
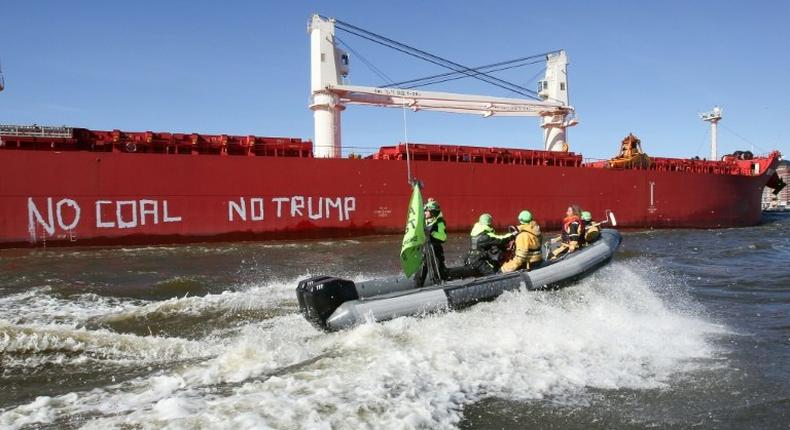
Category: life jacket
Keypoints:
(592, 233)
(571, 233)
(436, 228)
(485, 244)
(477, 236)
(529, 248)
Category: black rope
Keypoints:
(409, 50)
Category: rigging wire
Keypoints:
(462, 77)
(743, 138)
(383, 76)
(478, 69)
(705, 139)
(481, 76)
(406, 49)
(372, 67)
(532, 78)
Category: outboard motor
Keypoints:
(319, 296)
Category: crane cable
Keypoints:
(383, 76)
(406, 49)
(481, 76)
(495, 67)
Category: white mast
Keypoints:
(554, 88)
(713, 118)
(329, 65)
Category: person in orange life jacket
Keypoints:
(592, 230)
(528, 242)
(486, 247)
(436, 235)
(572, 235)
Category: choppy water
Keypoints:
(686, 329)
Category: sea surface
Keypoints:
(685, 329)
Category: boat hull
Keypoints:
(83, 198)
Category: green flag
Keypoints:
(414, 238)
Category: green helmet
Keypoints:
(525, 216)
(586, 216)
(431, 205)
(486, 219)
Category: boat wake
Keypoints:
(623, 328)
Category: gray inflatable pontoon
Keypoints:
(334, 304)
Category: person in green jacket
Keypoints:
(436, 235)
(486, 247)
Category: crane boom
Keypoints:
(446, 102)
(330, 65)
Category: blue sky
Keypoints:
(243, 68)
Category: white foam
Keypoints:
(618, 329)
(249, 297)
(39, 306)
(33, 346)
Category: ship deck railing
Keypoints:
(45, 138)
(81, 139)
(474, 154)
(35, 131)
(728, 166)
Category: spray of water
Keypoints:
(625, 327)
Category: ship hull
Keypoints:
(84, 198)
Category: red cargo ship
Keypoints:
(77, 186)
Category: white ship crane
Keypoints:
(330, 64)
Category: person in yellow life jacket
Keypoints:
(436, 235)
(592, 230)
(528, 242)
(572, 234)
(485, 247)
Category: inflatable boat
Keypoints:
(332, 303)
